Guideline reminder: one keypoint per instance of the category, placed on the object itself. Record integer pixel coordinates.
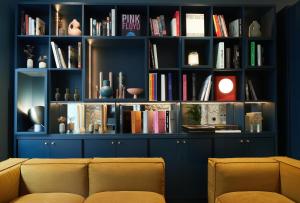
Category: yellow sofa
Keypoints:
(254, 180)
(107, 180)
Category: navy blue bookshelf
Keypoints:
(185, 153)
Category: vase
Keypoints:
(42, 64)
(62, 128)
(57, 95)
(74, 28)
(76, 95)
(29, 63)
(67, 94)
(106, 91)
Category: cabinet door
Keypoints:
(196, 153)
(229, 147)
(33, 148)
(99, 148)
(65, 149)
(131, 148)
(168, 150)
(260, 147)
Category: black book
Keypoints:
(247, 90)
(104, 28)
(194, 85)
(228, 58)
(167, 121)
(236, 56)
(253, 94)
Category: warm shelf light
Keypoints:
(225, 86)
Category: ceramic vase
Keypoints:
(74, 28)
(62, 128)
(29, 63)
(106, 91)
(57, 95)
(76, 95)
(67, 94)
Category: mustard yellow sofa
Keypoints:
(254, 180)
(98, 180)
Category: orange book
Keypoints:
(217, 25)
(136, 122)
(151, 97)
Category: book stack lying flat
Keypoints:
(32, 26)
(158, 26)
(195, 25)
(73, 56)
(106, 27)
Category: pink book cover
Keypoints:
(184, 87)
(162, 122)
(155, 122)
(150, 121)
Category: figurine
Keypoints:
(57, 95)
(67, 94)
(76, 95)
(42, 62)
(254, 29)
(74, 28)
(62, 125)
(28, 50)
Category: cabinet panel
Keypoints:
(65, 149)
(131, 148)
(99, 148)
(33, 148)
(229, 147)
(260, 147)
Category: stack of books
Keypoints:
(73, 56)
(106, 27)
(166, 89)
(32, 26)
(204, 93)
(250, 92)
(158, 26)
(220, 26)
(195, 25)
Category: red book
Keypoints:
(155, 122)
(27, 24)
(225, 88)
(161, 121)
(150, 120)
(177, 16)
(217, 26)
(184, 87)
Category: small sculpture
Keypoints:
(57, 95)
(62, 124)
(76, 95)
(74, 28)
(28, 50)
(254, 29)
(42, 62)
(67, 94)
(106, 91)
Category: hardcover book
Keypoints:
(161, 122)
(252, 54)
(131, 25)
(136, 122)
(195, 25)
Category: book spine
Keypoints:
(113, 22)
(151, 26)
(155, 56)
(259, 56)
(207, 92)
(173, 27)
(155, 122)
(184, 87)
(161, 121)
(194, 86)
(145, 122)
(170, 91)
(107, 27)
(79, 55)
(236, 56)
(228, 58)
(91, 26)
(163, 23)
(167, 121)
(159, 26)
(177, 16)
(252, 53)
(151, 87)
(69, 56)
(172, 122)
(61, 58)
(121, 119)
(220, 56)
(37, 23)
(224, 26)
(163, 87)
(27, 24)
(217, 26)
(55, 54)
(252, 90)
(247, 91)
(155, 86)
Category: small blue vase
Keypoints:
(106, 91)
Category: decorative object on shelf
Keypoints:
(194, 114)
(42, 62)
(76, 95)
(135, 92)
(236, 56)
(67, 94)
(106, 91)
(91, 128)
(36, 115)
(254, 29)
(57, 94)
(62, 124)
(71, 125)
(120, 92)
(225, 88)
(74, 28)
(193, 59)
(100, 84)
(216, 114)
(253, 121)
(131, 24)
(28, 50)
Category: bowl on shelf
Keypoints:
(135, 92)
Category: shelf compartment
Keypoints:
(110, 55)
(67, 13)
(41, 48)
(35, 11)
(268, 53)
(202, 47)
(206, 10)
(167, 52)
(31, 92)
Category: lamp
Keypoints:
(225, 88)
(36, 115)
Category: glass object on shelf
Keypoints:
(193, 59)
(106, 91)
(253, 122)
(67, 94)
(62, 124)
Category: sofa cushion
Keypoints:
(127, 174)
(50, 198)
(242, 174)
(253, 196)
(55, 176)
(125, 197)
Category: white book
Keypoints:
(113, 22)
(155, 56)
(30, 25)
(37, 31)
(107, 27)
(207, 92)
(163, 87)
(55, 54)
(224, 28)
(259, 62)
(145, 121)
(61, 57)
(195, 25)
(173, 27)
(204, 89)
(91, 26)
(220, 56)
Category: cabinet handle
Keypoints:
(184, 142)
(52, 143)
(119, 142)
(178, 142)
(248, 141)
(112, 142)
(241, 141)
(45, 143)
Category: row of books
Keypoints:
(235, 27)
(249, 90)
(225, 58)
(32, 26)
(73, 56)
(154, 122)
(106, 27)
(166, 89)
(158, 26)
(256, 54)
(204, 93)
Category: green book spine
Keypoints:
(252, 47)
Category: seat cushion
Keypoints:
(50, 198)
(252, 197)
(126, 197)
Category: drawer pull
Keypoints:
(119, 142)
(112, 142)
(184, 142)
(178, 142)
(241, 141)
(52, 143)
(45, 143)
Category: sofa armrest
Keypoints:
(10, 179)
(242, 174)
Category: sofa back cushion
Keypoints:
(290, 177)
(242, 174)
(127, 174)
(55, 175)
